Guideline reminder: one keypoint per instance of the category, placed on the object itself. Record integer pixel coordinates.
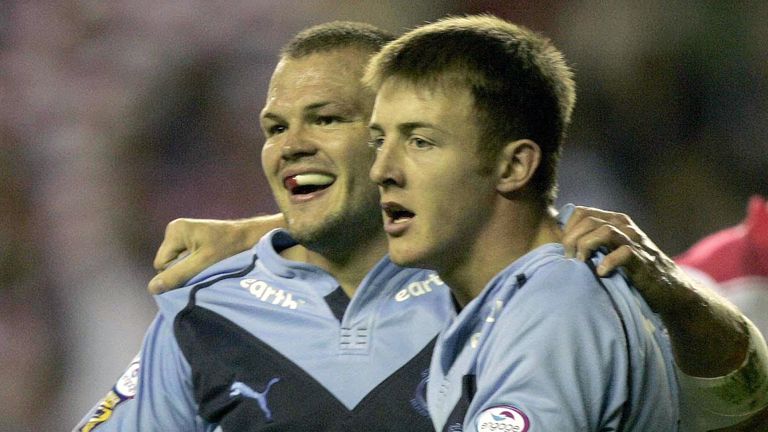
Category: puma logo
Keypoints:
(241, 389)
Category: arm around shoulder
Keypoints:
(191, 245)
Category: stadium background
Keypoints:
(116, 117)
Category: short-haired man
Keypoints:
(269, 339)
(469, 120)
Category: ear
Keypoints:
(516, 165)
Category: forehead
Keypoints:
(442, 101)
(331, 76)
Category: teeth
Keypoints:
(313, 179)
(397, 214)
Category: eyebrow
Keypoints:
(311, 107)
(407, 127)
(317, 105)
(270, 116)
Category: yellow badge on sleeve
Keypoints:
(123, 390)
(103, 412)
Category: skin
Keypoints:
(315, 121)
(427, 162)
(190, 245)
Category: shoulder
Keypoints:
(218, 277)
(556, 299)
(553, 281)
(233, 264)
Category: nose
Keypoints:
(296, 144)
(387, 167)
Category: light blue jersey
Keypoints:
(548, 346)
(257, 342)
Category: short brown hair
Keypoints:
(336, 35)
(521, 85)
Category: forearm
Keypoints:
(709, 335)
(254, 228)
(722, 359)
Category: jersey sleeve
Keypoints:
(556, 360)
(154, 393)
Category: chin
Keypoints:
(306, 235)
(409, 258)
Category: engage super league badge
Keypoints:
(503, 418)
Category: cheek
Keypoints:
(453, 196)
(270, 163)
(269, 156)
(360, 162)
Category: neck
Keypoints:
(512, 231)
(348, 264)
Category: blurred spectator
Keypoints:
(736, 259)
(31, 349)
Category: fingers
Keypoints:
(588, 229)
(206, 242)
(177, 273)
(173, 244)
(637, 265)
(576, 230)
(589, 235)
(621, 256)
(172, 251)
(581, 212)
(157, 285)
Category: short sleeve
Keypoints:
(154, 393)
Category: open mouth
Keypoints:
(397, 213)
(303, 184)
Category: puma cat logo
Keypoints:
(241, 389)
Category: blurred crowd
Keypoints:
(116, 117)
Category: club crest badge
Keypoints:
(503, 418)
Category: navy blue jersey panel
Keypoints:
(338, 301)
(244, 384)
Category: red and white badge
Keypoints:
(502, 418)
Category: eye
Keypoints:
(275, 129)
(376, 143)
(420, 143)
(327, 120)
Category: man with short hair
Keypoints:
(308, 330)
(469, 120)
